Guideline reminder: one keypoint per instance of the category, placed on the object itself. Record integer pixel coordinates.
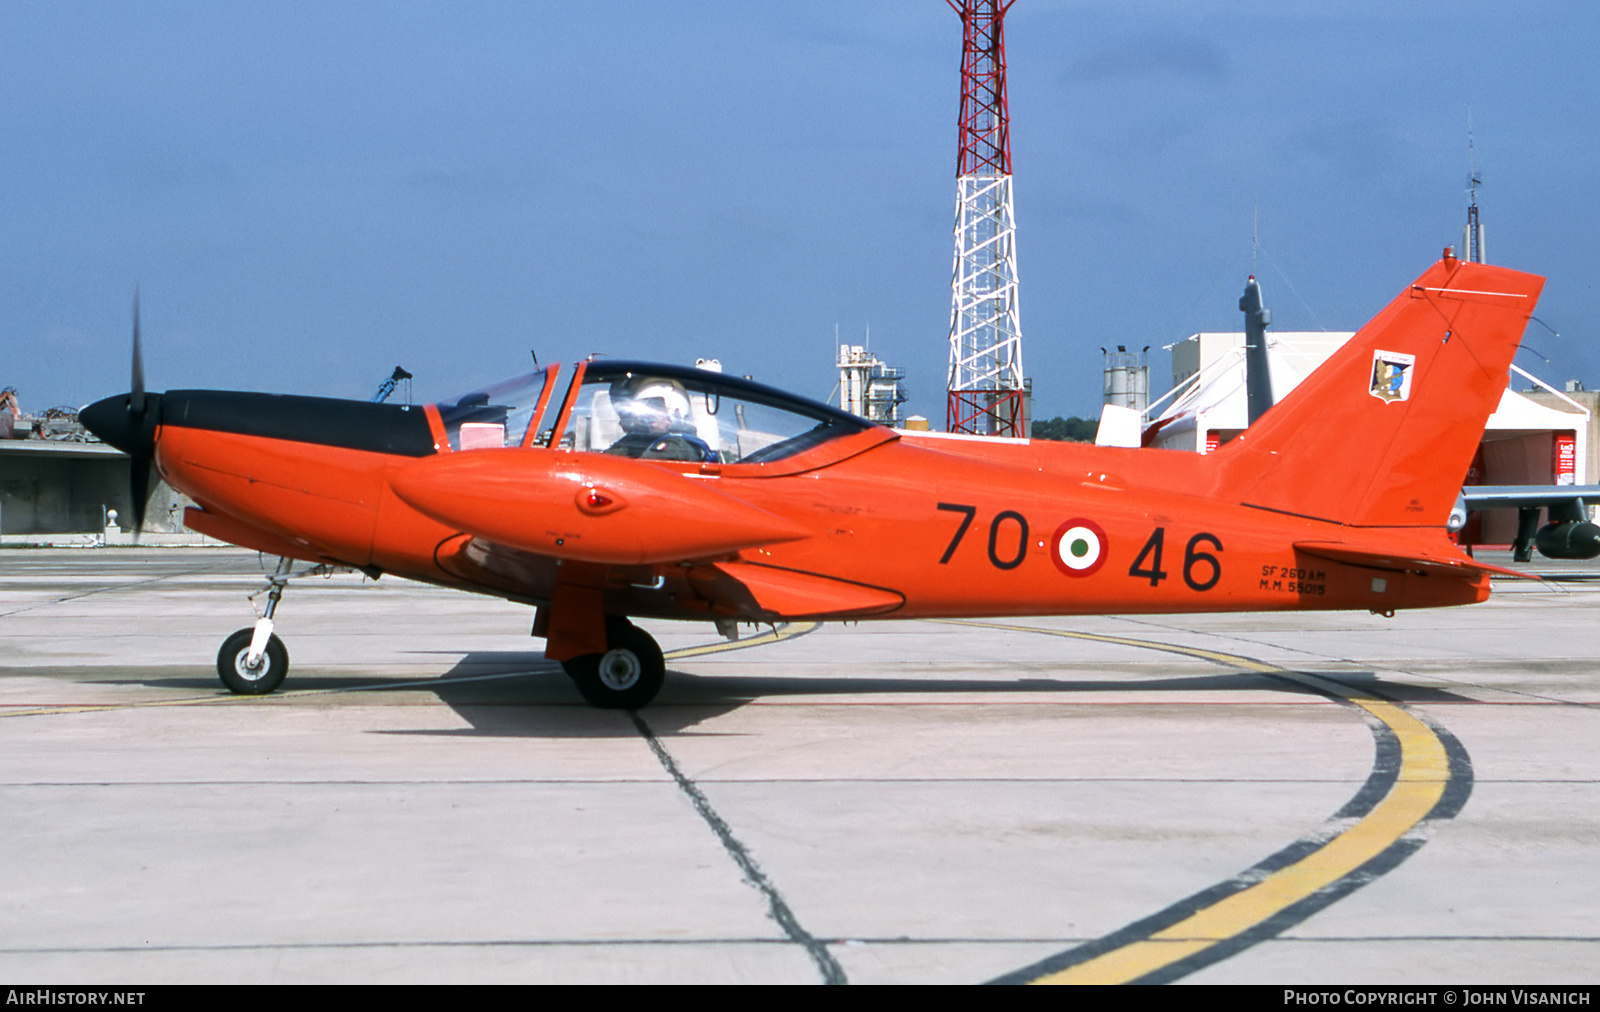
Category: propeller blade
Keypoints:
(139, 490)
(136, 388)
(129, 422)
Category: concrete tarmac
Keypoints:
(1335, 798)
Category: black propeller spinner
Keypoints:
(128, 422)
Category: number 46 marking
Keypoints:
(1201, 570)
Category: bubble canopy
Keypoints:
(658, 412)
(650, 412)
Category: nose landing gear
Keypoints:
(245, 677)
(254, 662)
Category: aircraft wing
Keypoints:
(1568, 535)
(728, 588)
(1483, 497)
(523, 515)
(757, 589)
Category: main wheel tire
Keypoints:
(243, 680)
(627, 676)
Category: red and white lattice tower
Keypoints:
(985, 378)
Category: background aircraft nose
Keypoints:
(118, 423)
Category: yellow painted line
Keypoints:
(40, 711)
(1424, 773)
(771, 636)
(779, 634)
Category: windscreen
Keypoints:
(493, 416)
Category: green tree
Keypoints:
(1070, 430)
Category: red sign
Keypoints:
(1565, 458)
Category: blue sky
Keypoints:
(309, 194)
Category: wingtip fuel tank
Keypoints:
(587, 508)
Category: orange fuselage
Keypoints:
(907, 526)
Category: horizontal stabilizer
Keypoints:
(1411, 560)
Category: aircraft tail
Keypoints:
(1382, 434)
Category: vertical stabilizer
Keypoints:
(1383, 433)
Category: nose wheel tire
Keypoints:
(240, 677)
(627, 676)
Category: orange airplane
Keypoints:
(676, 493)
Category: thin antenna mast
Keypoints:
(1472, 236)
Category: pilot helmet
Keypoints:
(651, 404)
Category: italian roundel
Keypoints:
(1079, 547)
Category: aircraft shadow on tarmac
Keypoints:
(538, 705)
(521, 694)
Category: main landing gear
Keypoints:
(627, 676)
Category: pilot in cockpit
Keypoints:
(656, 421)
